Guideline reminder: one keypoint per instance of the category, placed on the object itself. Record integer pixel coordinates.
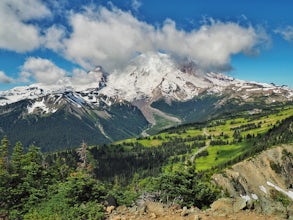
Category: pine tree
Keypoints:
(4, 175)
(4, 162)
(82, 153)
(17, 159)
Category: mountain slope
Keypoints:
(66, 125)
(181, 90)
(154, 76)
(153, 92)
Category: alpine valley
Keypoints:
(153, 92)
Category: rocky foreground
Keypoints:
(257, 188)
(220, 210)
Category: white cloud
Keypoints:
(109, 38)
(24, 77)
(112, 37)
(5, 79)
(26, 10)
(46, 72)
(41, 70)
(53, 38)
(135, 4)
(80, 77)
(15, 32)
(212, 44)
(286, 33)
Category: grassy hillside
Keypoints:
(216, 142)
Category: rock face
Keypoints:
(264, 181)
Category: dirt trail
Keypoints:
(202, 148)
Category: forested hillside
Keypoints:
(178, 163)
(68, 126)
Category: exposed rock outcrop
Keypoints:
(259, 188)
(264, 181)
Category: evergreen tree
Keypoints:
(17, 158)
(82, 153)
(4, 176)
(186, 187)
(4, 162)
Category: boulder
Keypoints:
(222, 207)
(184, 211)
(273, 208)
(109, 209)
(225, 206)
(239, 204)
(153, 215)
(197, 217)
(290, 212)
(156, 208)
(121, 209)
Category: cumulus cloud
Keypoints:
(46, 72)
(109, 38)
(135, 4)
(16, 33)
(112, 37)
(286, 33)
(53, 38)
(81, 77)
(42, 70)
(5, 79)
(212, 44)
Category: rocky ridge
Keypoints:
(264, 181)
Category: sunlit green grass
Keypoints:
(218, 154)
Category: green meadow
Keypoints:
(224, 138)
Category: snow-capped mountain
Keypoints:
(152, 87)
(149, 76)
(153, 76)
(38, 90)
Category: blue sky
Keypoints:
(46, 41)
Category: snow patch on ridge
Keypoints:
(288, 193)
(262, 188)
(246, 197)
(254, 196)
(78, 101)
(40, 105)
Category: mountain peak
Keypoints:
(156, 75)
(150, 76)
